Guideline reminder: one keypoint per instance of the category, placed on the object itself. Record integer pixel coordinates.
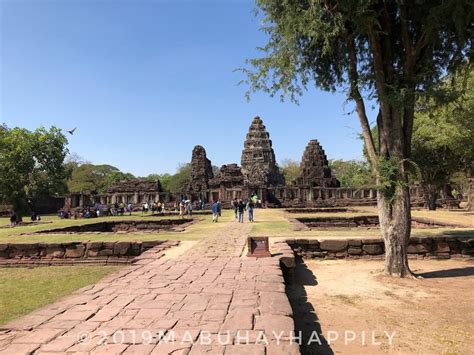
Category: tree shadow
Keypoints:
(456, 272)
(304, 314)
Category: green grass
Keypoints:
(274, 223)
(25, 289)
(196, 231)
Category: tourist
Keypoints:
(240, 209)
(235, 205)
(121, 208)
(181, 209)
(190, 209)
(13, 219)
(130, 208)
(158, 207)
(145, 207)
(250, 207)
(215, 211)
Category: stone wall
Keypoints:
(436, 248)
(94, 251)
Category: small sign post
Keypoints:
(258, 247)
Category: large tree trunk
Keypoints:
(430, 194)
(395, 225)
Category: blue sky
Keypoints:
(145, 81)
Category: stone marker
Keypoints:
(258, 247)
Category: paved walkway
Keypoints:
(213, 299)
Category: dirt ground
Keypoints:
(354, 309)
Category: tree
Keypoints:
(388, 51)
(443, 137)
(290, 170)
(352, 173)
(31, 165)
(95, 178)
(180, 181)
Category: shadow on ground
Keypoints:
(456, 272)
(304, 315)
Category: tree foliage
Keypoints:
(31, 165)
(95, 178)
(352, 173)
(443, 139)
(179, 181)
(290, 169)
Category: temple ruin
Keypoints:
(258, 174)
(314, 168)
(258, 161)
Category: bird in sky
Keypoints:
(71, 132)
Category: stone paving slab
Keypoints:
(211, 300)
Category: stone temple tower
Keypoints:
(258, 158)
(314, 168)
(201, 170)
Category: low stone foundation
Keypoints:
(369, 221)
(176, 225)
(436, 248)
(23, 254)
(319, 210)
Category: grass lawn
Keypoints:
(274, 223)
(25, 289)
(196, 231)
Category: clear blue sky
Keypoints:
(145, 81)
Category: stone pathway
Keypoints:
(210, 300)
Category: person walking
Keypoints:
(190, 209)
(250, 207)
(181, 209)
(215, 211)
(235, 207)
(240, 209)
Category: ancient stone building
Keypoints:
(135, 191)
(259, 174)
(314, 168)
(258, 158)
(201, 170)
(228, 183)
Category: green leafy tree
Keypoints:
(31, 165)
(95, 178)
(290, 169)
(180, 181)
(388, 51)
(352, 173)
(443, 139)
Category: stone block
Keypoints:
(334, 245)
(75, 251)
(121, 248)
(442, 247)
(467, 251)
(417, 249)
(373, 249)
(53, 251)
(354, 251)
(372, 241)
(355, 242)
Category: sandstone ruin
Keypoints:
(258, 174)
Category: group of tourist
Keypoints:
(185, 208)
(154, 207)
(241, 206)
